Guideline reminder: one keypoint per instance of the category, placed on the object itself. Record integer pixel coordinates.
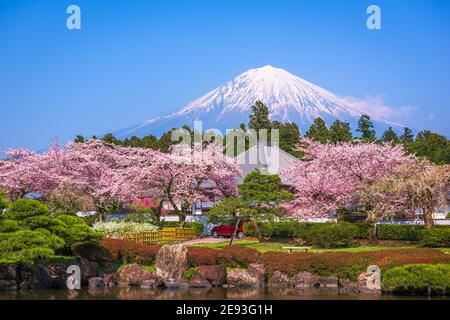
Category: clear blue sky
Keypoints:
(133, 60)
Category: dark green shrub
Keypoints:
(28, 246)
(332, 235)
(8, 225)
(364, 230)
(417, 277)
(92, 251)
(399, 232)
(448, 215)
(25, 208)
(169, 224)
(198, 226)
(435, 238)
(28, 231)
(74, 229)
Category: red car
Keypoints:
(227, 230)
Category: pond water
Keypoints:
(201, 294)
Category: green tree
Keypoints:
(432, 146)
(366, 128)
(407, 136)
(289, 137)
(29, 233)
(340, 131)
(259, 119)
(165, 141)
(79, 139)
(318, 131)
(260, 197)
(390, 136)
(111, 139)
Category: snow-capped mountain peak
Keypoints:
(288, 97)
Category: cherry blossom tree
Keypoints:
(332, 176)
(25, 171)
(421, 185)
(187, 176)
(111, 174)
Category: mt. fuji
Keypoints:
(288, 97)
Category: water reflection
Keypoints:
(130, 293)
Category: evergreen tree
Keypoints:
(79, 139)
(111, 139)
(432, 146)
(340, 131)
(366, 128)
(289, 137)
(390, 136)
(260, 197)
(318, 131)
(407, 136)
(150, 142)
(259, 119)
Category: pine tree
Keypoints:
(340, 131)
(407, 136)
(366, 128)
(111, 139)
(318, 131)
(390, 136)
(289, 134)
(79, 139)
(259, 119)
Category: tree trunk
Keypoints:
(373, 233)
(428, 217)
(235, 231)
(158, 211)
(258, 232)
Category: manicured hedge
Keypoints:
(399, 232)
(421, 278)
(435, 238)
(293, 229)
(198, 226)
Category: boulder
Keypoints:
(171, 262)
(110, 280)
(176, 285)
(8, 285)
(8, 272)
(135, 275)
(369, 281)
(36, 277)
(278, 280)
(59, 275)
(152, 283)
(258, 271)
(96, 283)
(348, 285)
(328, 282)
(215, 274)
(199, 281)
(88, 268)
(305, 280)
(242, 278)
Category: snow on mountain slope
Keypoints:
(289, 98)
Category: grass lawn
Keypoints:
(277, 245)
